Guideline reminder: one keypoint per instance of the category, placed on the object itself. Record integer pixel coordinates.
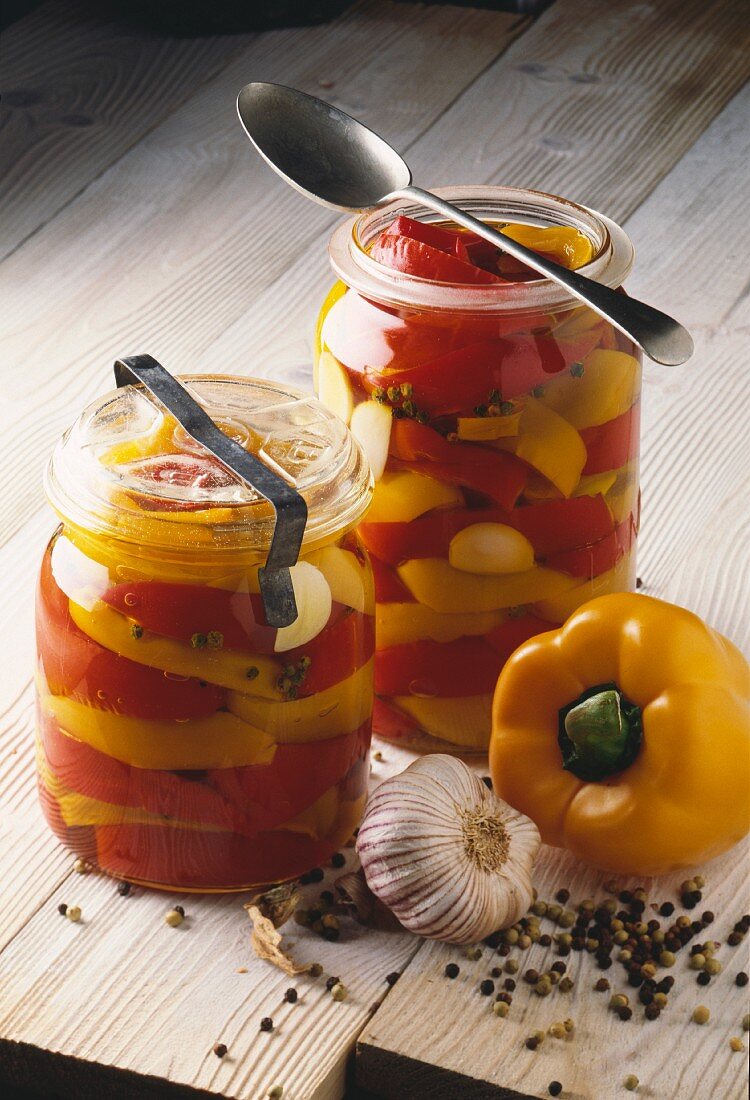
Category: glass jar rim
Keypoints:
(99, 499)
(352, 263)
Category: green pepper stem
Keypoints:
(600, 733)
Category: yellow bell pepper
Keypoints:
(625, 735)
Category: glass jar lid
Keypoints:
(350, 258)
(127, 469)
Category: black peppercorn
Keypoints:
(563, 949)
(62, 908)
(652, 1012)
(487, 987)
(645, 996)
(290, 996)
(532, 1042)
(393, 977)
(703, 978)
(734, 938)
(560, 967)
(506, 997)
(635, 978)
(266, 1024)
(509, 984)
(316, 875)
(554, 1088)
(332, 981)
(545, 940)
(603, 962)
(496, 971)
(451, 971)
(504, 949)
(487, 780)
(338, 859)
(666, 909)
(707, 917)
(624, 1012)
(531, 976)
(691, 899)
(180, 910)
(562, 896)
(220, 1049)
(123, 889)
(741, 979)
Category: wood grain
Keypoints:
(79, 89)
(175, 241)
(451, 1027)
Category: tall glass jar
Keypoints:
(182, 742)
(501, 422)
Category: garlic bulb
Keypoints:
(451, 860)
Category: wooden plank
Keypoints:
(174, 242)
(80, 88)
(438, 1038)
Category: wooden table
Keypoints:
(135, 217)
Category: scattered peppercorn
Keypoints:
(220, 1049)
(62, 908)
(625, 1013)
(339, 992)
(557, 1031)
(393, 977)
(666, 909)
(266, 1024)
(174, 918)
(291, 996)
(487, 987)
(741, 979)
(703, 978)
(652, 1012)
(331, 982)
(559, 967)
(276, 1092)
(511, 966)
(315, 970)
(631, 1082)
(667, 958)
(736, 1044)
(451, 970)
(338, 859)
(554, 1088)
(701, 1015)
(500, 1008)
(531, 1042)
(473, 953)
(180, 910)
(509, 985)
(123, 889)
(73, 913)
(602, 985)
(566, 984)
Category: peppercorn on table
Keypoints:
(137, 218)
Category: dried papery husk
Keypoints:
(448, 857)
(279, 902)
(266, 943)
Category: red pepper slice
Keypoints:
(390, 722)
(609, 446)
(550, 527)
(244, 800)
(598, 557)
(434, 235)
(467, 666)
(416, 258)
(75, 665)
(389, 588)
(507, 638)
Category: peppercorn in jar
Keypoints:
(500, 417)
(182, 741)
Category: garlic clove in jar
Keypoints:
(449, 858)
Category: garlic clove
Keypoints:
(449, 858)
(312, 595)
(371, 426)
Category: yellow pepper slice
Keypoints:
(564, 241)
(463, 720)
(486, 428)
(402, 495)
(609, 385)
(551, 445)
(399, 623)
(621, 578)
(220, 741)
(434, 582)
(225, 667)
(330, 713)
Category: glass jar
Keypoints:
(501, 422)
(182, 742)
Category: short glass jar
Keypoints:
(182, 742)
(501, 421)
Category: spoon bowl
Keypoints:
(322, 152)
(337, 161)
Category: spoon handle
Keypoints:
(661, 337)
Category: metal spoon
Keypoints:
(337, 161)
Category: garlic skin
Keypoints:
(449, 858)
